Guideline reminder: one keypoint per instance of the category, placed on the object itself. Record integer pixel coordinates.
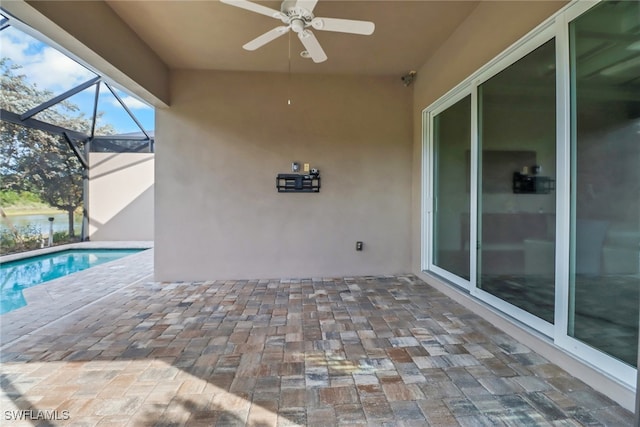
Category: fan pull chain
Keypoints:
(289, 77)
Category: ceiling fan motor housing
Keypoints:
(298, 17)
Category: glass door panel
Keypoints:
(516, 200)
(605, 81)
(451, 177)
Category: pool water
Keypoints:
(18, 275)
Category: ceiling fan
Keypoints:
(297, 16)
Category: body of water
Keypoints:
(41, 221)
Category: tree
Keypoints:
(38, 161)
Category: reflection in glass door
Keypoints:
(451, 177)
(605, 272)
(516, 200)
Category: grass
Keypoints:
(46, 210)
(25, 203)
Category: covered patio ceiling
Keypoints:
(210, 35)
(161, 36)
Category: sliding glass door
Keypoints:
(605, 125)
(451, 187)
(516, 200)
(535, 181)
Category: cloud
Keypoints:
(41, 64)
(13, 45)
(49, 69)
(131, 102)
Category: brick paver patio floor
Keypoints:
(363, 351)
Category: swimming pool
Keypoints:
(20, 274)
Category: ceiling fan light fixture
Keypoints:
(297, 25)
(305, 54)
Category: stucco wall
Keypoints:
(490, 29)
(121, 196)
(227, 136)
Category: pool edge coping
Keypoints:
(115, 244)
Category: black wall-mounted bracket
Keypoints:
(532, 184)
(297, 183)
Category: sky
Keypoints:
(49, 69)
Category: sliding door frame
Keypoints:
(556, 27)
(431, 198)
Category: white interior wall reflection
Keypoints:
(603, 281)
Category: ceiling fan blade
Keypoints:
(266, 38)
(344, 25)
(306, 4)
(254, 7)
(312, 46)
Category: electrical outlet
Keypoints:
(306, 167)
(359, 246)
